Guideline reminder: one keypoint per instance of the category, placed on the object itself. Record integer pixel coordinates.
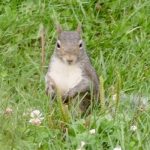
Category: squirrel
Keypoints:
(70, 70)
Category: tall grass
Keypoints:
(116, 34)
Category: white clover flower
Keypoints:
(35, 121)
(35, 114)
(81, 145)
(117, 148)
(36, 117)
(92, 131)
(8, 111)
(133, 128)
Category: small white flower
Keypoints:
(8, 111)
(92, 131)
(35, 113)
(81, 145)
(133, 128)
(117, 148)
(36, 117)
(35, 121)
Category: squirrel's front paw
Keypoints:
(68, 94)
(64, 96)
(50, 90)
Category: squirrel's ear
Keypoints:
(79, 28)
(58, 28)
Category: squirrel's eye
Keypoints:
(58, 44)
(80, 44)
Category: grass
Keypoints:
(117, 40)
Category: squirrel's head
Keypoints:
(69, 45)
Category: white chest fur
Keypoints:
(65, 76)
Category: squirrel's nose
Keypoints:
(69, 61)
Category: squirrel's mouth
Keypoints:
(69, 61)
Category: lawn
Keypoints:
(117, 37)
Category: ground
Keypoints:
(116, 34)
